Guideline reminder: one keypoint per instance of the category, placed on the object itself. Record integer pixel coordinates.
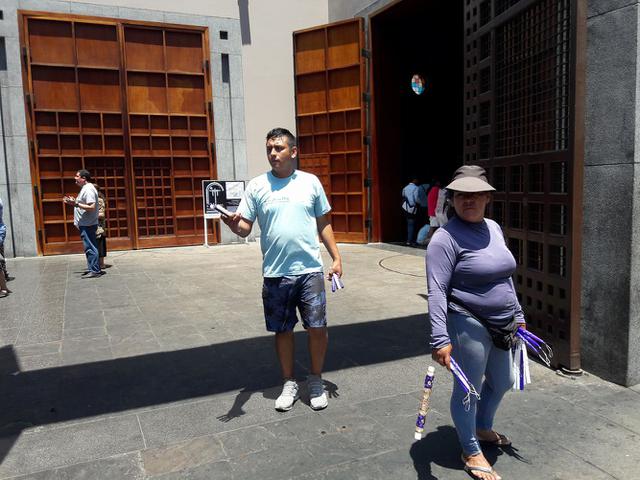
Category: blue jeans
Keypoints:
(474, 351)
(411, 228)
(90, 243)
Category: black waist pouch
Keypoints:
(502, 337)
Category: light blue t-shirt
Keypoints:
(286, 210)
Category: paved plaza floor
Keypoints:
(162, 369)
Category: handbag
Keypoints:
(421, 239)
(408, 208)
(502, 337)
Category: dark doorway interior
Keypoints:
(414, 134)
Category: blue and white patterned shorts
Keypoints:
(282, 295)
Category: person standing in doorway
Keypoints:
(423, 190)
(101, 232)
(292, 210)
(432, 200)
(85, 218)
(410, 208)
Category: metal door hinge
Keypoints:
(367, 183)
(366, 139)
(365, 53)
(31, 100)
(366, 97)
(367, 223)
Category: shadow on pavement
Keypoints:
(51, 395)
(440, 447)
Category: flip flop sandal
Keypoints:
(501, 441)
(470, 469)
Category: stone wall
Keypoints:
(610, 325)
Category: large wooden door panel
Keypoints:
(329, 80)
(167, 90)
(128, 102)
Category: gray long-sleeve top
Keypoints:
(471, 262)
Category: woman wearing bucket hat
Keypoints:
(469, 269)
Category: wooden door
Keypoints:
(76, 121)
(130, 103)
(330, 120)
(520, 105)
(167, 96)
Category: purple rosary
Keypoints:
(464, 382)
(336, 283)
(527, 340)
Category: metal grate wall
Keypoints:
(519, 77)
(532, 80)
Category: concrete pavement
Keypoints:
(162, 369)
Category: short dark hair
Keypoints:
(282, 132)
(85, 174)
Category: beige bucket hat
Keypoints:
(470, 178)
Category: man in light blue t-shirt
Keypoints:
(292, 210)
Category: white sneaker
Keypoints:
(317, 395)
(288, 396)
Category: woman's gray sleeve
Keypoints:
(441, 261)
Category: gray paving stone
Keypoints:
(256, 438)
(84, 344)
(210, 471)
(41, 450)
(334, 449)
(350, 470)
(134, 349)
(185, 455)
(84, 333)
(8, 335)
(175, 424)
(38, 349)
(40, 334)
(276, 463)
(174, 342)
(565, 425)
(118, 467)
(123, 315)
(38, 362)
(306, 426)
(90, 320)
